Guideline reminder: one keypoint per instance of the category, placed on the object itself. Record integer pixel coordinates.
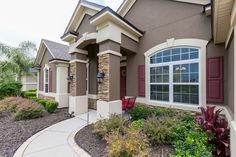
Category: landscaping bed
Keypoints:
(14, 133)
(20, 118)
(96, 146)
(158, 132)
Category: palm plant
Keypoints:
(15, 61)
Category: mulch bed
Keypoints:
(14, 133)
(96, 147)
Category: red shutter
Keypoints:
(141, 80)
(50, 80)
(215, 78)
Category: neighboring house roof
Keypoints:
(58, 51)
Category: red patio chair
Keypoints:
(128, 103)
(131, 103)
(124, 104)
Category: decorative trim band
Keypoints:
(92, 96)
(78, 60)
(47, 94)
(109, 52)
(80, 51)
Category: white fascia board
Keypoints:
(199, 2)
(125, 7)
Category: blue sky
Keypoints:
(33, 20)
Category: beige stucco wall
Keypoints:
(29, 81)
(229, 59)
(47, 56)
(162, 20)
(85, 26)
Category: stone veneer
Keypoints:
(92, 103)
(73, 82)
(103, 88)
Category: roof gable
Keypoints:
(84, 7)
(56, 50)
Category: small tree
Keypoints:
(16, 61)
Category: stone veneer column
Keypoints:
(109, 90)
(62, 96)
(78, 99)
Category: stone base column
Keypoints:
(78, 99)
(78, 104)
(106, 109)
(109, 89)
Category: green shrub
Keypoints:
(51, 106)
(132, 143)
(28, 113)
(10, 89)
(140, 112)
(106, 126)
(137, 124)
(190, 140)
(158, 130)
(32, 90)
(29, 94)
(42, 102)
(161, 111)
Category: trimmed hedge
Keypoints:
(51, 106)
(29, 94)
(28, 113)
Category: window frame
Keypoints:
(171, 82)
(44, 80)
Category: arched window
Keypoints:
(174, 75)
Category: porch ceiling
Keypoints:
(222, 10)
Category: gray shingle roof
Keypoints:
(59, 51)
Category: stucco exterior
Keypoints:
(181, 20)
(45, 61)
(229, 59)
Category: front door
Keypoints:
(122, 82)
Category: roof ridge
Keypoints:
(55, 42)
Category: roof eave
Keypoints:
(221, 20)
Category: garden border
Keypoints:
(76, 148)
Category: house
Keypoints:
(172, 53)
(52, 62)
(29, 80)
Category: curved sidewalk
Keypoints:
(53, 141)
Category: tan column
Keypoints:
(78, 100)
(109, 89)
(62, 96)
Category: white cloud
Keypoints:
(33, 20)
(114, 4)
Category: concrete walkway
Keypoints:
(53, 141)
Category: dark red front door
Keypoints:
(122, 82)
